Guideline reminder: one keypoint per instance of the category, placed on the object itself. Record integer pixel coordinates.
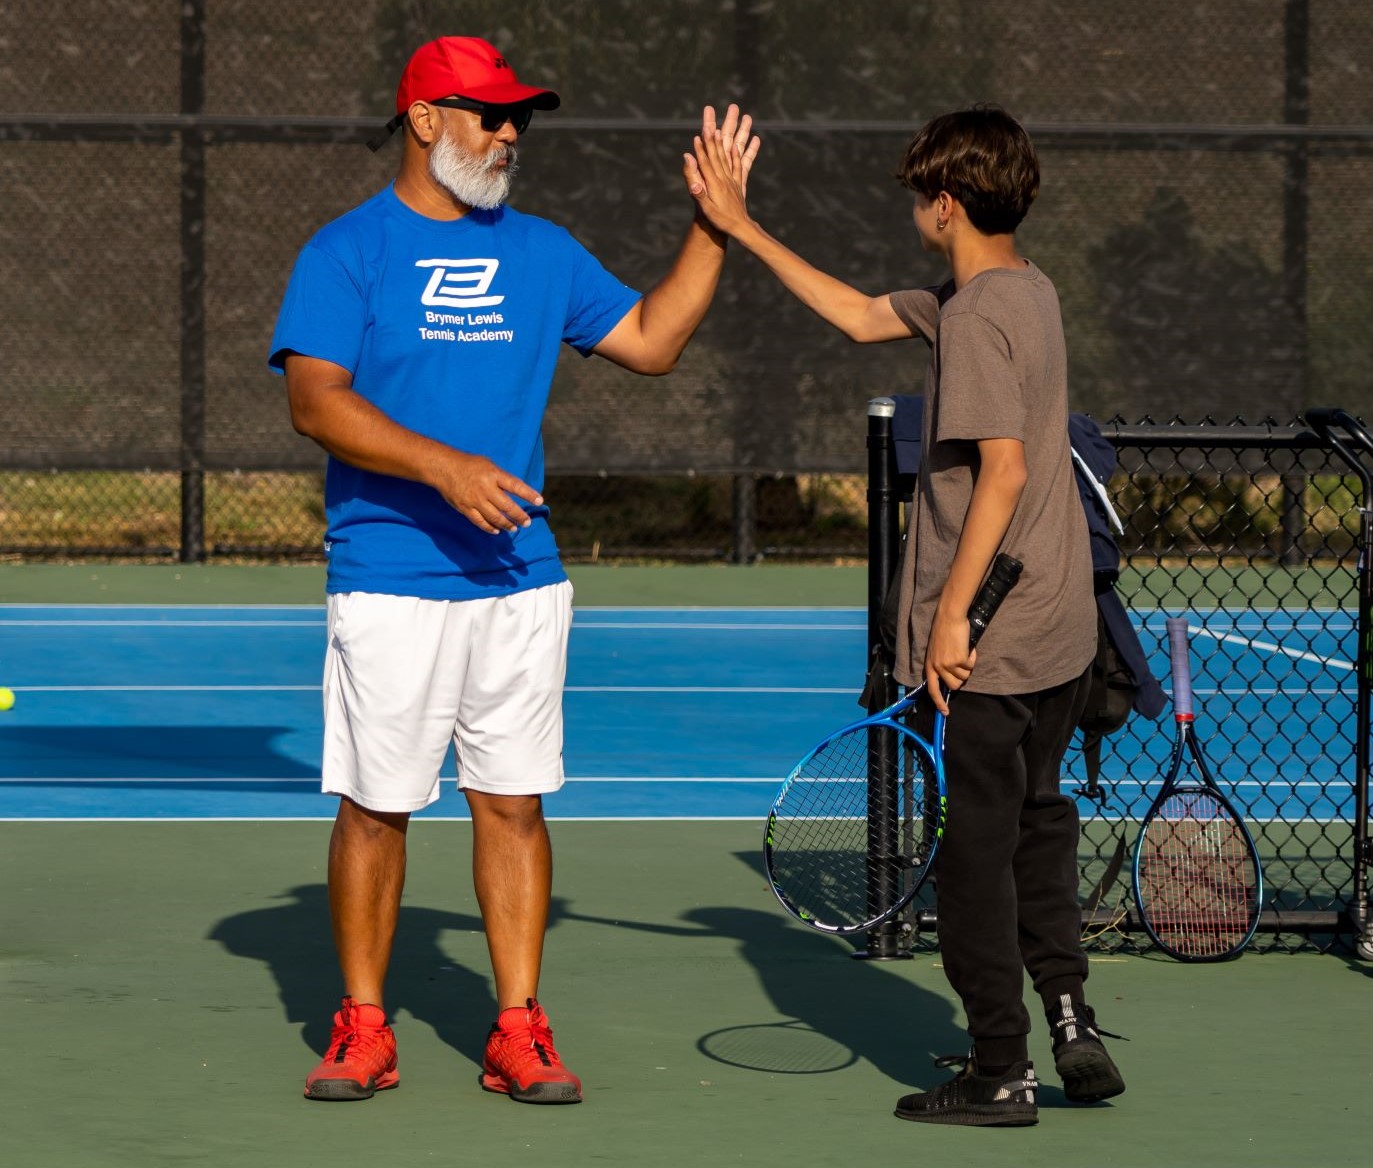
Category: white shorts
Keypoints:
(404, 677)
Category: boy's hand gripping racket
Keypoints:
(854, 829)
(1197, 880)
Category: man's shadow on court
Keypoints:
(432, 978)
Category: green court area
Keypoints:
(762, 584)
(165, 987)
(765, 584)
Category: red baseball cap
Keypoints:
(466, 67)
(461, 67)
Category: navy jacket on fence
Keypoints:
(1095, 460)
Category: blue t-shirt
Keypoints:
(452, 329)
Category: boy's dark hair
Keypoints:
(984, 158)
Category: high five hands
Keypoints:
(717, 172)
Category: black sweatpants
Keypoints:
(1006, 873)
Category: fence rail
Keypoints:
(182, 123)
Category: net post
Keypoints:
(1354, 446)
(1363, 851)
(883, 942)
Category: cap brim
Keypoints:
(512, 94)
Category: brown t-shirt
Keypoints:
(998, 369)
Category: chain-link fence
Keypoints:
(164, 162)
(1253, 534)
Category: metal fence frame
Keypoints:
(1336, 434)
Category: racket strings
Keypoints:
(854, 825)
(1197, 876)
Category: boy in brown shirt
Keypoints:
(996, 476)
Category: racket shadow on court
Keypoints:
(439, 973)
(831, 1012)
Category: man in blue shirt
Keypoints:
(418, 337)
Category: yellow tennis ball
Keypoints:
(6, 698)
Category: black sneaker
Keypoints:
(975, 1100)
(1080, 1059)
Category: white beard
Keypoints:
(475, 182)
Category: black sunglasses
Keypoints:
(493, 117)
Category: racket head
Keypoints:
(831, 857)
(817, 847)
(1197, 878)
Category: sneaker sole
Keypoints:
(534, 1093)
(1089, 1076)
(1000, 1115)
(350, 1090)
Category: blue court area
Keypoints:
(142, 712)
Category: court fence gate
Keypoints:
(1259, 535)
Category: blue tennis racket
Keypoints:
(1197, 880)
(854, 830)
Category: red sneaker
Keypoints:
(361, 1058)
(521, 1062)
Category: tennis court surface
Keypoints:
(167, 972)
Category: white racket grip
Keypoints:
(1182, 668)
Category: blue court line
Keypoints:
(213, 711)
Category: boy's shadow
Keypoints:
(426, 980)
(834, 1009)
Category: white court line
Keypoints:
(852, 608)
(709, 689)
(1260, 784)
(772, 780)
(1327, 821)
(1320, 616)
(165, 688)
(548, 815)
(551, 817)
(1297, 691)
(609, 689)
(319, 608)
(725, 627)
(184, 779)
(1269, 647)
(19, 604)
(314, 626)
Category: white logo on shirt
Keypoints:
(460, 283)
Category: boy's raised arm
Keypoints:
(715, 177)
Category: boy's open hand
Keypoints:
(717, 172)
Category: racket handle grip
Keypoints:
(1000, 580)
(1178, 656)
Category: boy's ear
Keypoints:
(944, 204)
